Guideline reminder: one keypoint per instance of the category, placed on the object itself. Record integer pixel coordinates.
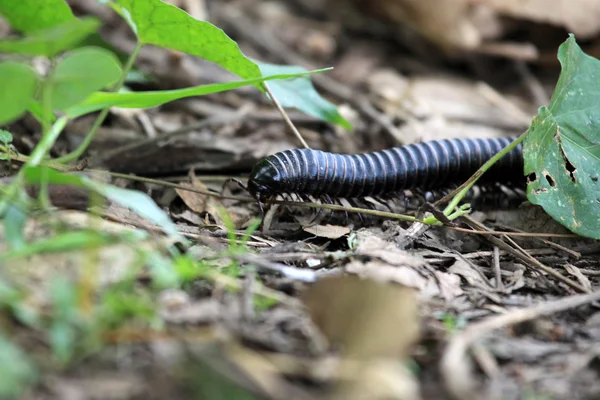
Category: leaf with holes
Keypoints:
(562, 147)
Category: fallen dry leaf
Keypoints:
(447, 23)
(373, 246)
(470, 274)
(367, 318)
(328, 231)
(374, 324)
(578, 16)
(380, 379)
(382, 272)
(202, 203)
(581, 278)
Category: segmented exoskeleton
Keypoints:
(427, 166)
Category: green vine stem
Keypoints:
(465, 187)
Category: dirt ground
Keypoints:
(350, 307)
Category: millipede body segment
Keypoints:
(428, 166)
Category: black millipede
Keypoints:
(428, 165)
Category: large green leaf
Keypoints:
(17, 88)
(82, 72)
(32, 15)
(165, 25)
(51, 41)
(562, 148)
(136, 201)
(100, 100)
(300, 93)
(156, 22)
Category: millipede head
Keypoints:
(264, 182)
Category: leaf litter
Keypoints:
(366, 318)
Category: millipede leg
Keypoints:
(354, 204)
(385, 203)
(239, 183)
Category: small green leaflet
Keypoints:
(134, 200)
(80, 73)
(562, 147)
(300, 93)
(17, 87)
(51, 41)
(5, 136)
(28, 16)
(17, 369)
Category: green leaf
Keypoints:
(5, 136)
(63, 330)
(300, 93)
(32, 15)
(139, 202)
(136, 201)
(17, 88)
(100, 100)
(165, 25)
(51, 41)
(36, 110)
(68, 241)
(14, 222)
(562, 147)
(82, 72)
(16, 369)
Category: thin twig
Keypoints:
(455, 366)
(515, 234)
(557, 246)
(497, 270)
(286, 118)
(523, 256)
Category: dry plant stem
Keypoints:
(455, 366)
(490, 232)
(78, 152)
(539, 265)
(502, 103)
(548, 243)
(286, 118)
(497, 271)
(538, 93)
(523, 256)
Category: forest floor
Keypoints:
(340, 306)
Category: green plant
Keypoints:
(76, 76)
(80, 78)
(561, 148)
